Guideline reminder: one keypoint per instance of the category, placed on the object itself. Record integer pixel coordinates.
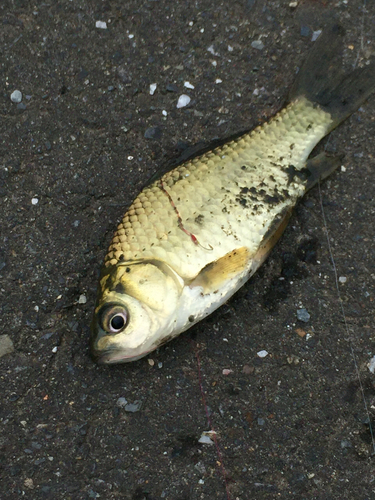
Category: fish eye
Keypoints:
(113, 319)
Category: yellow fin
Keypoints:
(215, 274)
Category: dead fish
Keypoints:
(197, 233)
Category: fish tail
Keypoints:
(321, 79)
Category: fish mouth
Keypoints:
(112, 356)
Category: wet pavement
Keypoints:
(274, 373)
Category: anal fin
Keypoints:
(215, 274)
(271, 237)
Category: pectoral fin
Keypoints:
(215, 274)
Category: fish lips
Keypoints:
(113, 353)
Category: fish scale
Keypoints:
(208, 193)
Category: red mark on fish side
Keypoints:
(194, 239)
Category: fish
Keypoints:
(196, 233)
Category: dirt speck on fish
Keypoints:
(197, 233)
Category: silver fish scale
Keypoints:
(224, 199)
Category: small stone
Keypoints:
(226, 371)
(300, 332)
(262, 354)
(29, 483)
(261, 421)
(121, 402)
(211, 50)
(34, 201)
(303, 315)
(6, 345)
(343, 169)
(205, 439)
(133, 407)
(183, 101)
(82, 299)
(164, 113)
(218, 80)
(54, 350)
(101, 25)
(153, 133)
(315, 35)
(21, 106)
(257, 44)
(342, 279)
(16, 96)
(188, 85)
(153, 88)
(151, 362)
(293, 5)
(371, 365)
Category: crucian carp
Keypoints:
(196, 234)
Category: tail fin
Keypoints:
(322, 81)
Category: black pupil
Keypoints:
(117, 322)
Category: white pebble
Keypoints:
(257, 44)
(130, 36)
(191, 23)
(218, 80)
(205, 440)
(230, 48)
(212, 50)
(343, 169)
(34, 201)
(227, 371)
(130, 157)
(183, 101)
(82, 299)
(152, 88)
(262, 354)
(188, 85)
(371, 365)
(101, 25)
(342, 279)
(201, 481)
(16, 96)
(315, 35)
(164, 113)
(214, 63)
(36, 308)
(54, 349)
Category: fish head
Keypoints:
(135, 310)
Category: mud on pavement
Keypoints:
(275, 365)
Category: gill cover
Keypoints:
(136, 301)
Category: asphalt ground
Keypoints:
(85, 138)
